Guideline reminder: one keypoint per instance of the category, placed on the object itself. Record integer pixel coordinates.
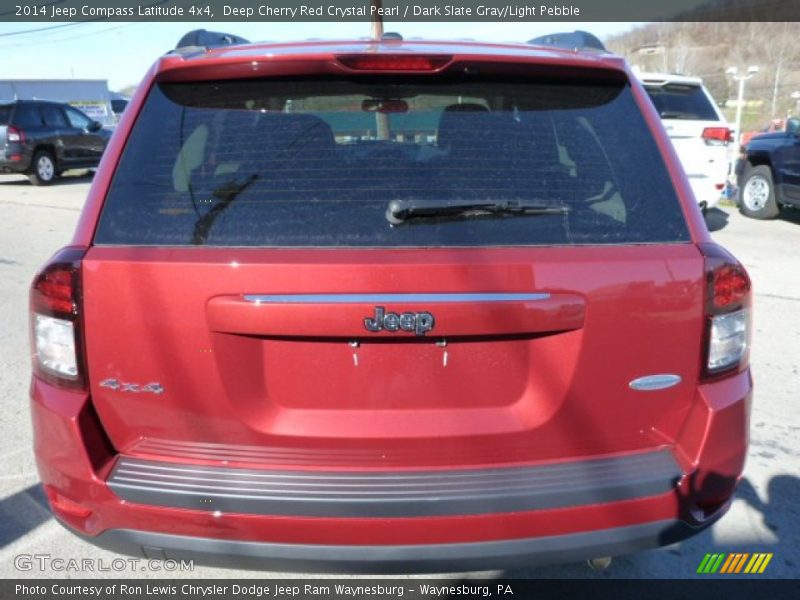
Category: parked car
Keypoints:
(118, 105)
(43, 139)
(698, 131)
(278, 340)
(769, 172)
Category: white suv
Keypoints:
(698, 131)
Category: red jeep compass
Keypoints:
(390, 306)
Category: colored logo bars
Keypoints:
(734, 563)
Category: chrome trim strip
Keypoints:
(650, 383)
(389, 298)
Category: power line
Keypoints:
(66, 39)
(38, 29)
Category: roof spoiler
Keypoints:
(200, 38)
(570, 40)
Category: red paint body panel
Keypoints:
(61, 452)
(223, 386)
(304, 386)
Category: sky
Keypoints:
(122, 52)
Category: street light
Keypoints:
(733, 72)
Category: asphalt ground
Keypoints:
(765, 516)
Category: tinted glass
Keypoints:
(77, 119)
(5, 113)
(27, 115)
(299, 163)
(118, 105)
(678, 101)
(53, 116)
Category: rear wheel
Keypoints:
(44, 170)
(758, 194)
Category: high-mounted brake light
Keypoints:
(727, 310)
(56, 332)
(717, 135)
(393, 62)
(14, 135)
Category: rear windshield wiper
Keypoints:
(401, 211)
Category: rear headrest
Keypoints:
(292, 135)
(466, 107)
(522, 140)
(535, 129)
(452, 123)
(591, 170)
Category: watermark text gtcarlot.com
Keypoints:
(48, 562)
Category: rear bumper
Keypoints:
(13, 166)
(395, 494)
(429, 558)
(14, 158)
(706, 190)
(545, 515)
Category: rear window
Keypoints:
(679, 101)
(53, 116)
(27, 115)
(315, 163)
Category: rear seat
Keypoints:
(289, 144)
(499, 154)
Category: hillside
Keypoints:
(707, 49)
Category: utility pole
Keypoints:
(776, 81)
(381, 119)
(377, 19)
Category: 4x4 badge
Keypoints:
(419, 323)
(136, 388)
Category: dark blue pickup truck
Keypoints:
(769, 172)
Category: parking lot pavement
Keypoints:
(764, 518)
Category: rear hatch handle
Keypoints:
(415, 315)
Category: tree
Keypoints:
(128, 90)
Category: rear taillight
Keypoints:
(56, 331)
(14, 135)
(727, 313)
(717, 136)
(393, 62)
